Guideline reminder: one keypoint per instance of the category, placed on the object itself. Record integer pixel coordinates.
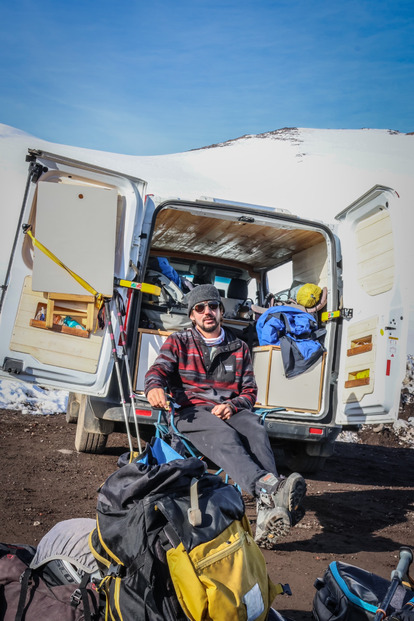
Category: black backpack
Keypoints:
(149, 511)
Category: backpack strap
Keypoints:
(24, 581)
(81, 595)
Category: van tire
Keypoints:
(86, 441)
(298, 460)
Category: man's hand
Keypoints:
(223, 411)
(157, 398)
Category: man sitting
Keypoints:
(209, 373)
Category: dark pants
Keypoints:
(239, 445)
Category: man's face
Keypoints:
(206, 316)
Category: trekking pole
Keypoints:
(127, 367)
(118, 371)
(406, 557)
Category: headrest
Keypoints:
(238, 289)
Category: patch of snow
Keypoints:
(350, 437)
(31, 399)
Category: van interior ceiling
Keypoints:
(210, 248)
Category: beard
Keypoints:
(209, 327)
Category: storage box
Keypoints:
(149, 345)
(302, 392)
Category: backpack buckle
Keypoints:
(76, 598)
(193, 512)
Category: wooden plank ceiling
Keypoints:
(256, 246)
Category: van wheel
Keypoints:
(297, 460)
(72, 408)
(85, 441)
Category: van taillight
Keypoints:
(315, 431)
(143, 412)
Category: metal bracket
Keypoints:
(13, 365)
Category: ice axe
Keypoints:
(406, 557)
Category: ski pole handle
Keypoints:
(406, 558)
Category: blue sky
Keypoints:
(164, 76)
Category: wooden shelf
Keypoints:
(35, 323)
(53, 308)
(359, 349)
(363, 381)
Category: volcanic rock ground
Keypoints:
(360, 507)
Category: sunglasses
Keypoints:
(200, 308)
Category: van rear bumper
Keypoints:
(319, 438)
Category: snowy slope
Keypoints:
(311, 172)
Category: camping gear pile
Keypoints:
(173, 542)
(170, 542)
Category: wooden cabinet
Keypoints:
(302, 392)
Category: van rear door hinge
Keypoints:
(36, 170)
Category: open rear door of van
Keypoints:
(374, 312)
(83, 217)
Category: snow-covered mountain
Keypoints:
(302, 170)
(313, 173)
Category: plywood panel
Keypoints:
(78, 225)
(375, 253)
(61, 350)
(150, 342)
(302, 392)
(254, 245)
(310, 265)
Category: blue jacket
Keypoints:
(296, 332)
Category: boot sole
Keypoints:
(277, 526)
(292, 493)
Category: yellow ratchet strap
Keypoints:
(98, 296)
(141, 286)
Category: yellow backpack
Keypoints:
(225, 578)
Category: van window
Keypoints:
(280, 278)
(375, 253)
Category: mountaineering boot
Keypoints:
(284, 492)
(272, 524)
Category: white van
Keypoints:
(99, 225)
